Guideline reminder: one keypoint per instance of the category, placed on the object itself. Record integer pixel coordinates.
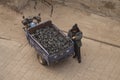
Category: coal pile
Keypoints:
(51, 39)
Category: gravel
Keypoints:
(51, 39)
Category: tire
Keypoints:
(41, 60)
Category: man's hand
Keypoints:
(73, 37)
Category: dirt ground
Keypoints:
(100, 61)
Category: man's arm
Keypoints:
(78, 36)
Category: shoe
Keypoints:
(79, 61)
(74, 56)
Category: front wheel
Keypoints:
(41, 60)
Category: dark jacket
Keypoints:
(78, 37)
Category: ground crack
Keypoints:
(4, 38)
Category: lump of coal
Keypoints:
(52, 40)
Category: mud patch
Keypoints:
(109, 5)
(85, 6)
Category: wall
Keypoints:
(109, 8)
(15, 4)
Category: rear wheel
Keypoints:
(41, 60)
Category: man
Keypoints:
(76, 35)
(31, 21)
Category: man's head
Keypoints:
(75, 28)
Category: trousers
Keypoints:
(77, 52)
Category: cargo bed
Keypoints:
(52, 48)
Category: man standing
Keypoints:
(76, 35)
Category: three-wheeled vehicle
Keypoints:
(45, 54)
